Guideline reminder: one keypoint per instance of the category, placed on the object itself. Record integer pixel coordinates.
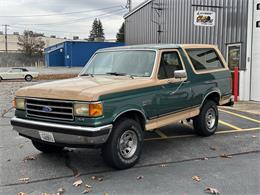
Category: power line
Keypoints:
(64, 13)
(76, 20)
(17, 26)
(5, 26)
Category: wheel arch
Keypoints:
(135, 114)
(212, 95)
(28, 75)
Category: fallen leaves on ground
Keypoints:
(205, 158)
(213, 148)
(29, 158)
(163, 165)
(211, 190)
(60, 191)
(24, 179)
(196, 178)
(225, 156)
(77, 174)
(20, 145)
(97, 178)
(139, 177)
(106, 193)
(77, 183)
(45, 193)
(88, 188)
(253, 136)
(22, 193)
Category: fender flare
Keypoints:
(209, 93)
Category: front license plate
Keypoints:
(46, 136)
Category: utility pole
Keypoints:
(129, 5)
(5, 26)
(157, 7)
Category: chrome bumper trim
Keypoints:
(64, 134)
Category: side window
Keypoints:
(257, 24)
(170, 61)
(258, 6)
(204, 59)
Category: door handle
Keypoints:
(186, 82)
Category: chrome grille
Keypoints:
(49, 109)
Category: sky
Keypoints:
(54, 17)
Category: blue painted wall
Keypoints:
(74, 53)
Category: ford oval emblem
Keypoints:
(46, 109)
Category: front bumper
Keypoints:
(63, 134)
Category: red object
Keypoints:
(235, 83)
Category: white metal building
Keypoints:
(250, 78)
(233, 25)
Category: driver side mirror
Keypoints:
(180, 74)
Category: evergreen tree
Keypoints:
(97, 31)
(120, 36)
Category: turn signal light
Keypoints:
(95, 110)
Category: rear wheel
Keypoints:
(46, 148)
(28, 78)
(206, 122)
(124, 146)
(1, 79)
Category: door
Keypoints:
(255, 78)
(175, 93)
(14, 74)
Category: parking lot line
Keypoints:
(193, 135)
(241, 116)
(230, 125)
(161, 134)
(235, 131)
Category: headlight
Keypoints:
(19, 103)
(88, 109)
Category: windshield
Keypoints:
(134, 63)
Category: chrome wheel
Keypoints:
(210, 118)
(128, 144)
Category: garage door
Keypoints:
(255, 82)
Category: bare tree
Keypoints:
(31, 43)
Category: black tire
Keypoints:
(1, 79)
(46, 148)
(203, 124)
(114, 153)
(28, 78)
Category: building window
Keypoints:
(234, 55)
(257, 24)
(258, 6)
(204, 59)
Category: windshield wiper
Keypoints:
(116, 73)
(87, 74)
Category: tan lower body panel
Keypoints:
(172, 118)
(224, 100)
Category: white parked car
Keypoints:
(18, 73)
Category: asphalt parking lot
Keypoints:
(227, 161)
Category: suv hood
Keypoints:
(84, 88)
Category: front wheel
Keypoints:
(28, 78)
(46, 148)
(206, 122)
(124, 146)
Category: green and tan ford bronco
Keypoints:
(121, 93)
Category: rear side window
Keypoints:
(204, 59)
